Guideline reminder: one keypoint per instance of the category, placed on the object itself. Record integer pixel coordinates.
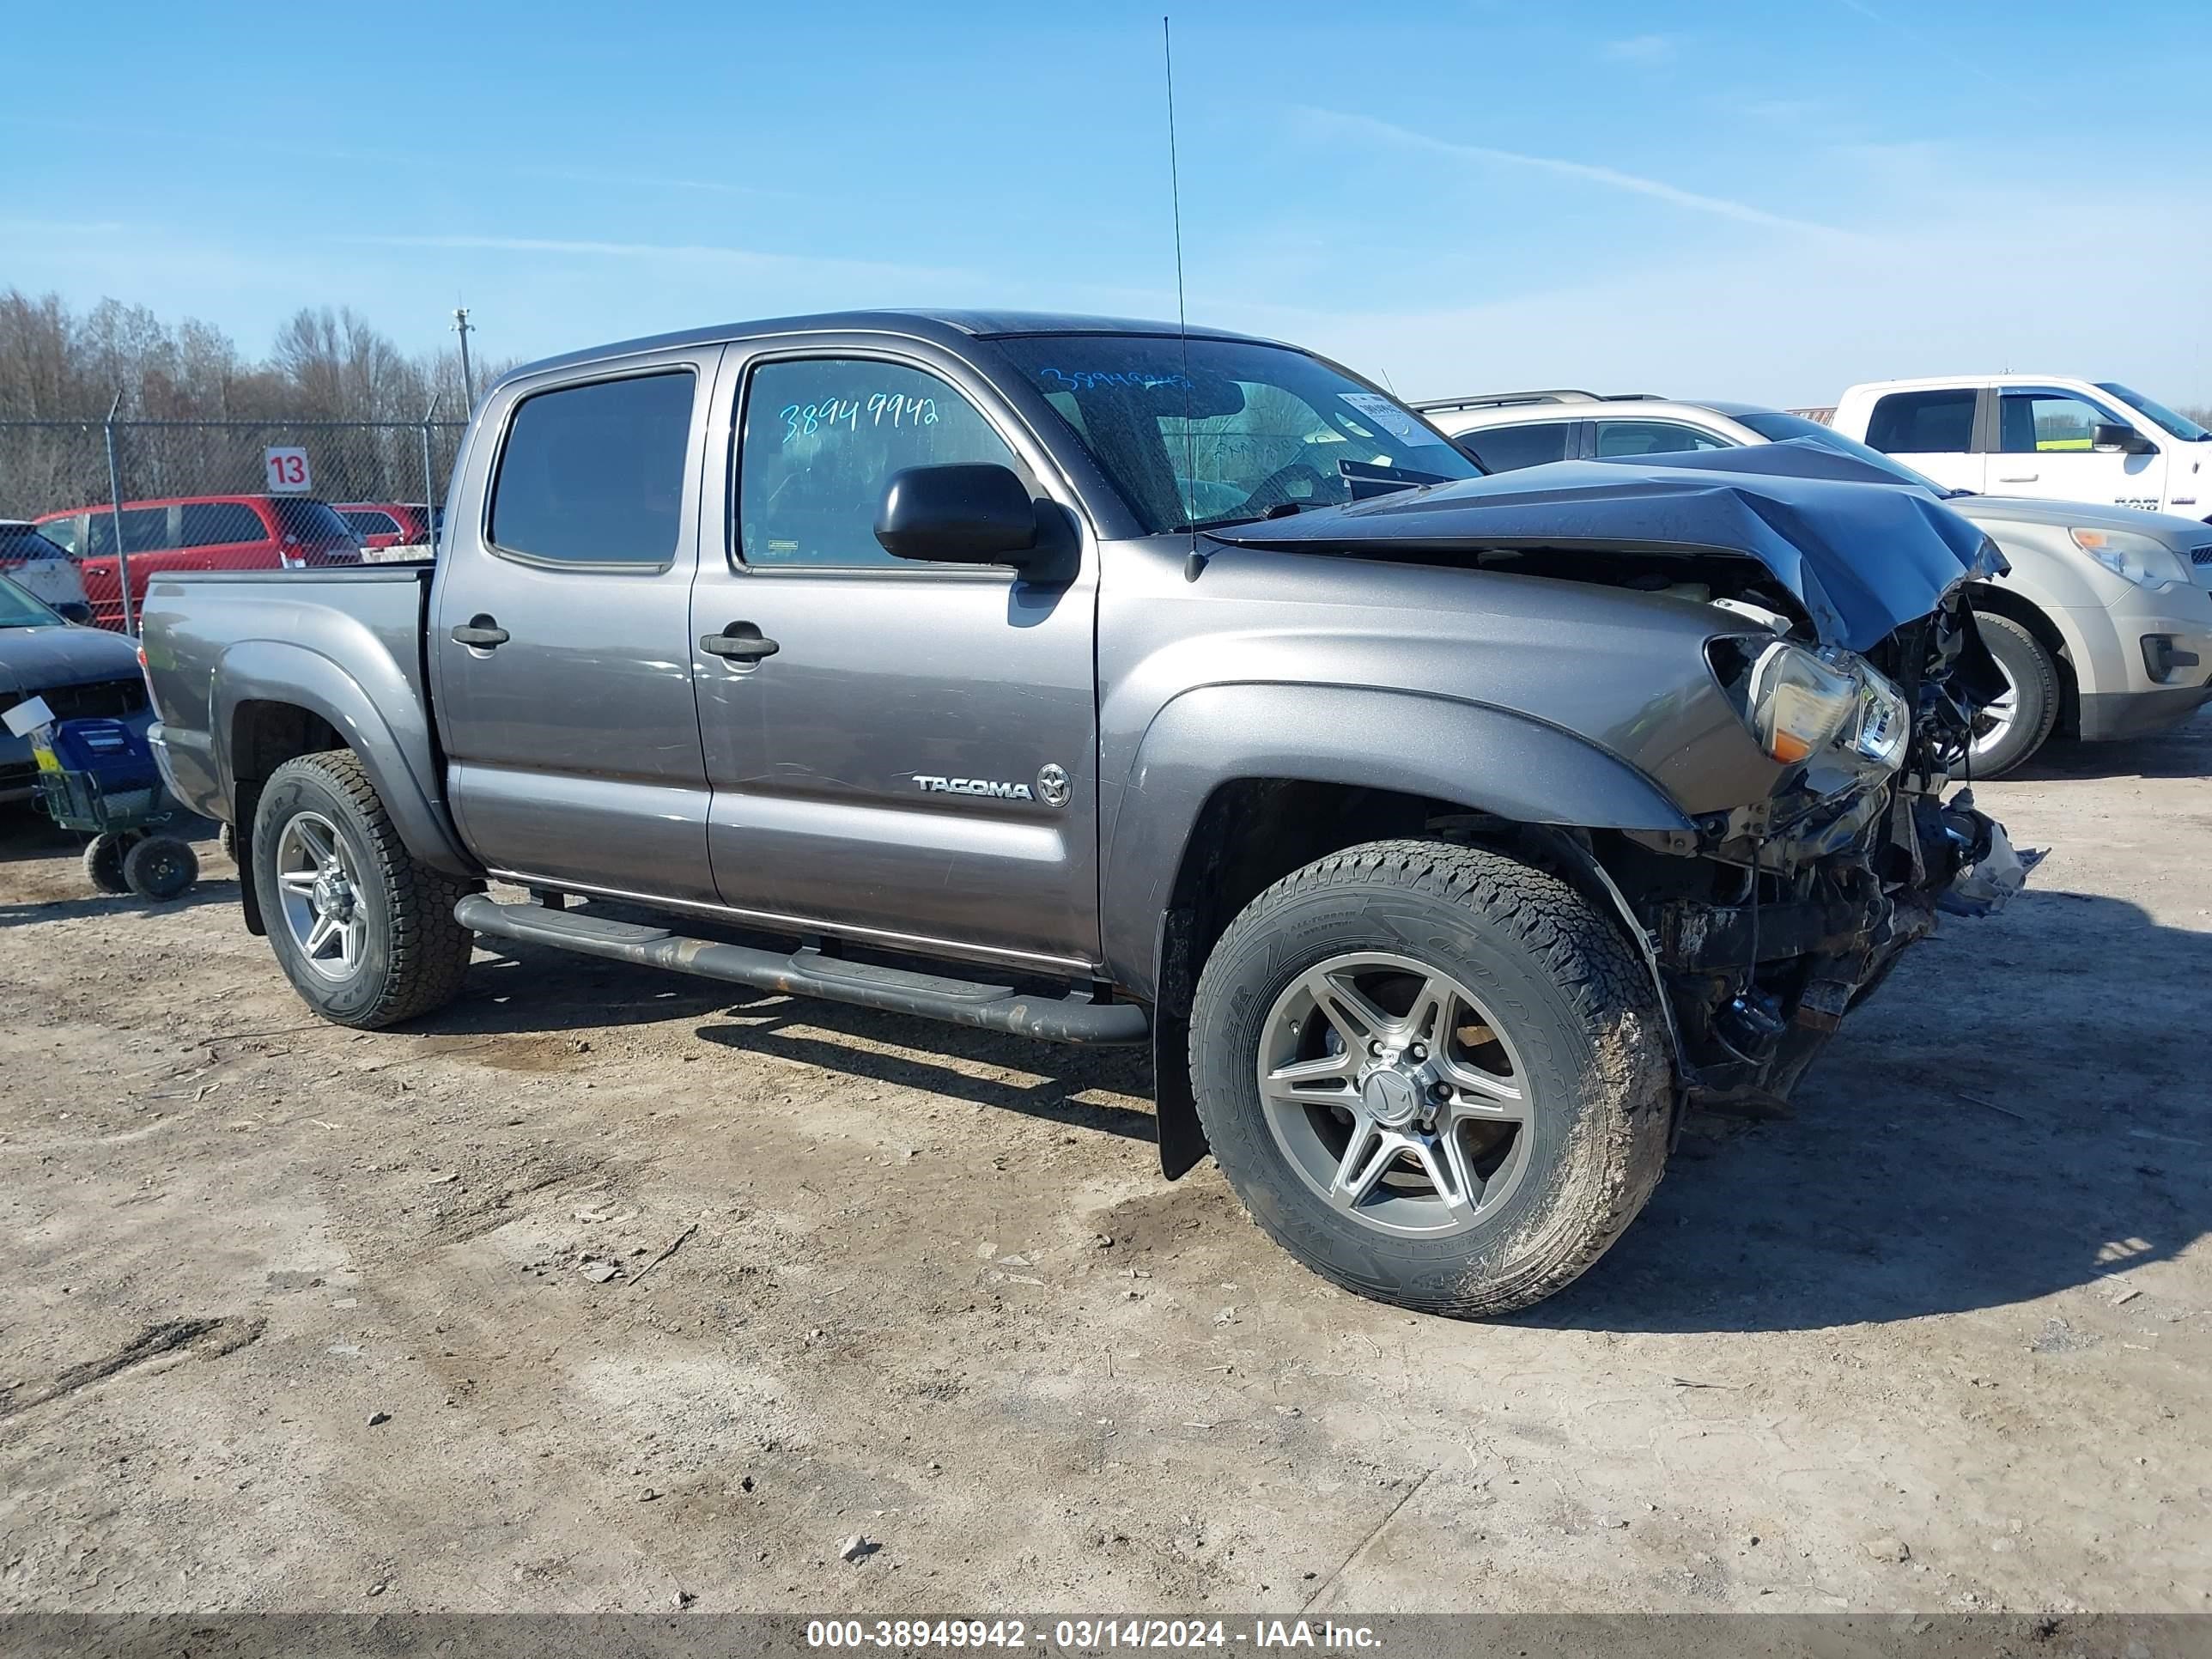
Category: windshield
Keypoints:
(309, 521)
(19, 609)
(1772, 424)
(2178, 424)
(1248, 431)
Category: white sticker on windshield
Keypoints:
(1393, 420)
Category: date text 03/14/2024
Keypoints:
(1090, 1635)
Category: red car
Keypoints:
(383, 524)
(196, 533)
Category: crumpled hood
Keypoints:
(1864, 554)
(33, 659)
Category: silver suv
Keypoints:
(2103, 626)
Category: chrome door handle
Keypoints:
(740, 641)
(2018, 477)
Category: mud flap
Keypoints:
(1183, 1144)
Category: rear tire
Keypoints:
(159, 867)
(103, 860)
(1535, 996)
(364, 929)
(2032, 688)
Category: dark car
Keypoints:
(79, 671)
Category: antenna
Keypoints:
(1194, 563)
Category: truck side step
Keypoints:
(808, 973)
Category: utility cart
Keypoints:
(98, 776)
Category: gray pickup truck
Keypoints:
(1445, 835)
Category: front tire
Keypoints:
(2009, 731)
(1435, 1075)
(364, 929)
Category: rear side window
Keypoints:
(147, 530)
(372, 524)
(1505, 448)
(214, 523)
(1616, 438)
(593, 474)
(1923, 422)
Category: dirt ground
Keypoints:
(297, 1318)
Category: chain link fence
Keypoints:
(144, 496)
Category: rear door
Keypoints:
(2046, 446)
(1932, 431)
(562, 680)
(915, 761)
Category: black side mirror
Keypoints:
(75, 611)
(959, 514)
(2112, 438)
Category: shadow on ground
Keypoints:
(2020, 1110)
(2183, 752)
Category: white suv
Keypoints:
(2103, 626)
(42, 568)
(2046, 435)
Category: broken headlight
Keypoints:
(1797, 701)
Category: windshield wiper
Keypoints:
(1368, 479)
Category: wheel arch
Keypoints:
(2045, 628)
(277, 701)
(1235, 787)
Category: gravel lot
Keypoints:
(299, 1318)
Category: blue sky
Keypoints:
(1764, 200)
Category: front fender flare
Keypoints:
(1478, 757)
(399, 758)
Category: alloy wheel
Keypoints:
(1395, 1094)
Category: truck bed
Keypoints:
(356, 628)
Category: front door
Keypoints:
(2047, 448)
(562, 680)
(908, 758)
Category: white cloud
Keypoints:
(1958, 296)
(1587, 173)
(1642, 48)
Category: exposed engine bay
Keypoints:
(1772, 921)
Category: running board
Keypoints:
(808, 973)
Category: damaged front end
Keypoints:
(1769, 922)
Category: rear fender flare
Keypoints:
(399, 759)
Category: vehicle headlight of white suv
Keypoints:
(2143, 560)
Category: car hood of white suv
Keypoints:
(2175, 533)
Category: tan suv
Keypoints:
(2103, 626)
